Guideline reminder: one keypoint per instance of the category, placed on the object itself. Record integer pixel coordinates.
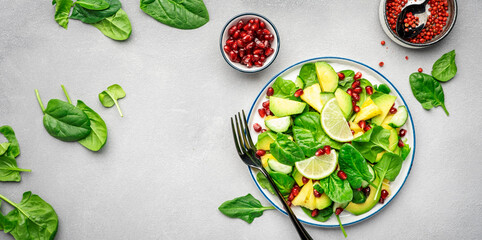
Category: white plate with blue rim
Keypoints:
(374, 77)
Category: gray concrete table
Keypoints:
(170, 162)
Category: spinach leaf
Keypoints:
(264, 183)
(306, 141)
(31, 219)
(14, 150)
(66, 122)
(359, 197)
(405, 151)
(427, 91)
(347, 81)
(382, 88)
(336, 189)
(93, 16)
(9, 172)
(93, 4)
(179, 14)
(286, 151)
(98, 136)
(4, 147)
(309, 135)
(246, 208)
(117, 26)
(323, 214)
(110, 96)
(284, 182)
(388, 168)
(354, 165)
(308, 74)
(284, 89)
(62, 11)
(372, 142)
(444, 68)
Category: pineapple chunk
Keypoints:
(355, 127)
(304, 194)
(311, 95)
(264, 159)
(368, 110)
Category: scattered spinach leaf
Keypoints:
(427, 91)
(32, 218)
(246, 208)
(62, 11)
(9, 172)
(354, 165)
(308, 74)
(286, 151)
(323, 214)
(382, 88)
(14, 149)
(372, 142)
(92, 16)
(117, 26)
(4, 147)
(388, 168)
(284, 182)
(98, 136)
(445, 68)
(337, 190)
(179, 14)
(110, 96)
(93, 4)
(264, 183)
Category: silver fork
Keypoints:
(246, 150)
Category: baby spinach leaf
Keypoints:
(323, 214)
(98, 136)
(388, 168)
(93, 4)
(306, 141)
(66, 122)
(110, 96)
(444, 68)
(359, 197)
(92, 16)
(246, 208)
(4, 147)
(337, 190)
(284, 89)
(427, 91)
(309, 134)
(31, 219)
(405, 151)
(264, 183)
(382, 88)
(372, 142)
(308, 74)
(286, 151)
(117, 26)
(14, 149)
(354, 165)
(9, 172)
(284, 182)
(347, 81)
(62, 11)
(175, 13)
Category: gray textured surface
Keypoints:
(169, 163)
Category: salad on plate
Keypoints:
(332, 141)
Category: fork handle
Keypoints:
(299, 228)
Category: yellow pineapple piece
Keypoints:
(304, 194)
(311, 95)
(368, 110)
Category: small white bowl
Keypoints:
(246, 17)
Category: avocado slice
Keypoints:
(264, 140)
(344, 101)
(393, 140)
(361, 208)
(284, 107)
(327, 76)
(325, 97)
(298, 177)
(384, 102)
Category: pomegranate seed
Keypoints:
(381, 64)
(366, 128)
(305, 180)
(266, 44)
(349, 91)
(338, 211)
(232, 56)
(227, 49)
(406, 57)
(266, 104)
(260, 45)
(237, 34)
(353, 103)
(242, 52)
(257, 127)
(255, 27)
(366, 191)
(420, 70)
(384, 194)
(250, 46)
(352, 132)
(232, 30)
(393, 110)
(356, 109)
(260, 152)
(314, 213)
(240, 43)
(247, 38)
(369, 90)
(402, 132)
(341, 76)
(327, 149)
(229, 41)
(263, 130)
(258, 51)
(262, 112)
(258, 63)
(382, 42)
(358, 90)
(249, 65)
(268, 52)
(341, 175)
(316, 193)
(288, 203)
(400, 143)
(298, 92)
(262, 58)
(240, 24)
(262, 24)
(266, 32)
(319, 152)
(270, 91)
(355, 84)
(290, 198)
(357, 76)
(355, 96)
(268, 112)
(295, 190)
(362, 124)
(381, 200)
(247, 27)
(251, 20)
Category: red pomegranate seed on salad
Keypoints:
(298, 92)
(349, 91)
(402, 132)
(366, 191)
(319, 152)
(314, 213)
(393, 110)
(263, 130)
(352, 132)
(270, 91)
(355, 84)
(420, 70)
(262, 112)
(305, 180)
(260, 152)
(362, 124)
(268, 112)
(384, 194)
(367, 127)
(357, 76)
(295, 190)
(381, 64)
(316, 193)
(400, 143)
(358, 89)
(369, 90)
(341, 76)
(382, 42)
(338, 211)
(257, 127)
(327, 149)
(353, 103)
(356, 109)
(381, 200)
(289, 203)
(291, 197)
(355, 96)
(266, 104)
(341, 175)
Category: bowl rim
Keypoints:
(258, 69)
(419, 45)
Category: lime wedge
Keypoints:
(318, 167)
(334, 123)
